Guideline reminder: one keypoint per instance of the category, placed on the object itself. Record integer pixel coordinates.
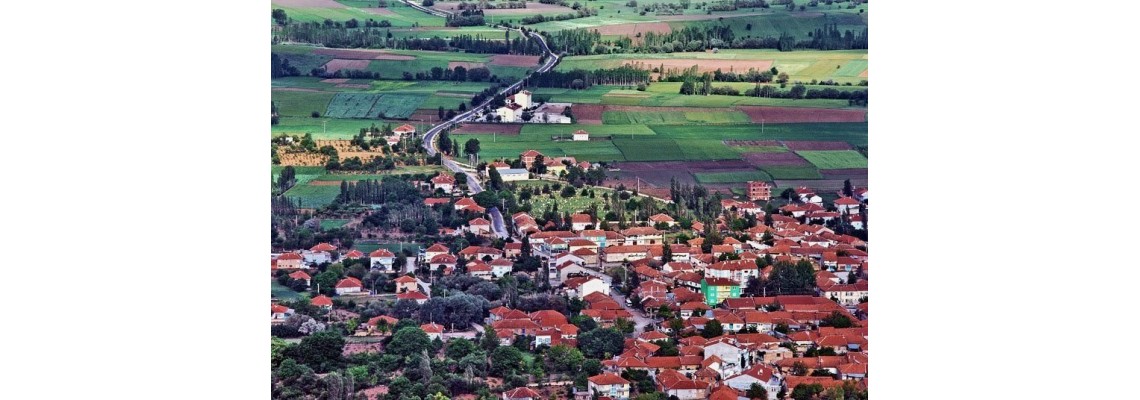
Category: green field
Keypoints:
(662, 142)
(404, 16)
(300, 104)
(667, 117)
(834, 159)
(372, 106)
(649, 149)
(313, 196)
(792, 172)
(327, 224)
(732, 177)
(283, 293)
(303, 174)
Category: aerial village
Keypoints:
(698, 296)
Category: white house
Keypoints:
(443, 181)
(761, 374)
(509, 113)
(729, 354)
(609, 385)
(280, 312)
(514, 174)
(500, 267)
(382, 259)
(479, 226)
(522, 98)
(581, 136)
(591, 286)
(349, 285)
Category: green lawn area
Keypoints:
(303, 174)
(649, 149)
(732, 177)
(792, 172)
(835, 159)
(283, 293)
(327, 224)
(314, 196)
(538, 137)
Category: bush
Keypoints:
(316, 114)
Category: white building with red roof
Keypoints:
(579, 222)
(301, 276)
(522, 393)
(444, 261)
(761, 374)
(290, 260)
(609, 385)
(322, 301)
(382, 259)
(501, 266)
(528, 157)
(581, 136)
(469, 204)
(349, 285)
(406, 284)
(480, 270)
(509, 113)
(847, 205)
(479, 226)
(433, 330)
(443, 181)
(418, 297)
(354, 254)
(405, 129)
(435, 250)
(279, 313)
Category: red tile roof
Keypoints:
(405, 279)
(289, 256)
(608, 379)
(323, 247)
(383, 253)
(411, 295)
(522, 393)
(349, 282)
(321, 301)
(300, 275)
(432, 328)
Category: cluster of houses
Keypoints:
(769, 339)
(521, 102)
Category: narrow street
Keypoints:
(639, 318)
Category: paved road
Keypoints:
(639, 318)
(473, 184)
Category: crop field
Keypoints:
(672, 117)
(613, 95)
(638, 142)
(802, 65)
(312, 196)
(834, 159)
(781, 172)
(281, 292)
(649, 149)
(319, 10)
(300, 104)
(732, 177)
(366, 105)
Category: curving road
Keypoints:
(473, 184)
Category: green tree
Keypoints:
(496, 181)
(564, 358)
(757, 391)
(601, 343)
(279, 16)
(471, 147)
(408, 341)
(490, 340)
(712, 329)
(459, 347)
(624, 325)
(506, 360)
(321, 351)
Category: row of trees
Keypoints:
(580, 79)
(699, 38)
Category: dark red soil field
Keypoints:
(777, 115)
(752, 143)
(820, 185)
(514, 60)
(797, 145)
(487, 129)
(774, 159)
(588, 114)
(339, 64)
(847, 173)
(655, 176)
